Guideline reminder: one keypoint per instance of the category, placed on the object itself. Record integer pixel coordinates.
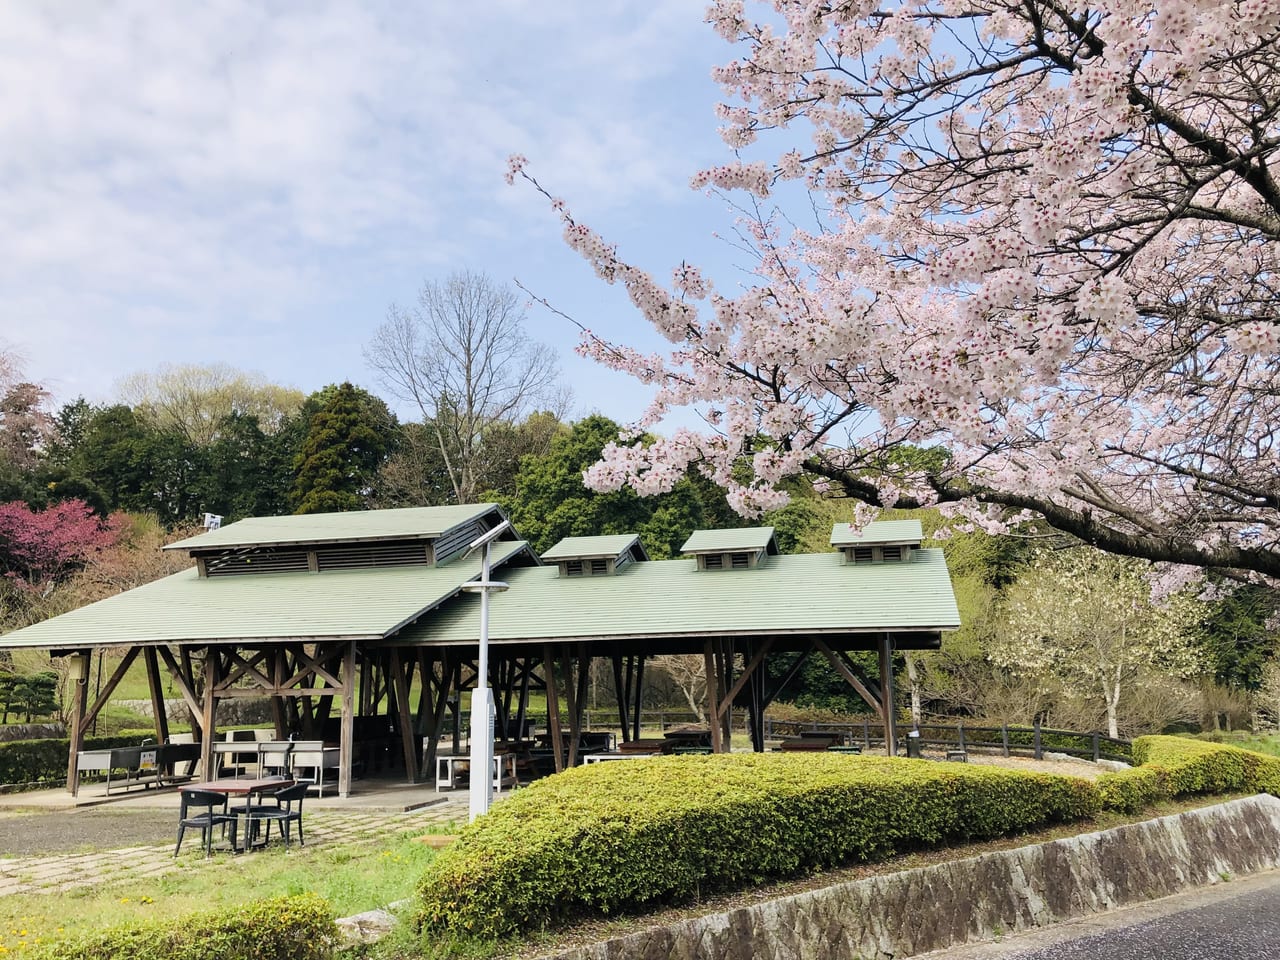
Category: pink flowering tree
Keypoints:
(1045, 243)
(41, 548)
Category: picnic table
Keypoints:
(246, 788)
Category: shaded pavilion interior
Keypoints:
(357, 627)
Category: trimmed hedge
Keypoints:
(610, 835)
(1178, 767)
(44, 762)
(283, 928)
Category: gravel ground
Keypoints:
(34, 834)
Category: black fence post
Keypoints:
(1004, 737)
(960, 727)
(1035, 738)
(1096, 753)
(866, 735)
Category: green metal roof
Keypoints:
(878, 532)
(805, 593)
(586, 548)
(728, 541)
(187, 608)
(399, 524)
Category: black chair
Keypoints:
(215, 814)
(286, 810)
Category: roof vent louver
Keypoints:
(357, 556)
(456, 540)
(243, 562)
(596, 556)
(744, 548)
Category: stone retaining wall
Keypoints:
(929, 908)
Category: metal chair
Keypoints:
(273, 758)
(287, 810)
(215, 814)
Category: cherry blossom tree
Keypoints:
(40, 548)
(1084, 620)
(1041, 238)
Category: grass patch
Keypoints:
(353, 877)
(1257, 742)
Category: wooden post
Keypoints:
(441, 707)
(523, 711)
(553, 706)
(207, 763)
(713, 695)
(157, 695)
(637, 693)
(886, 696)
(573, 702)
(622, 691)
(407, 737)
(347, 743)
(80, 700)
(279, 719)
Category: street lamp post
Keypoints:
(481, 697)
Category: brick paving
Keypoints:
(324, 829)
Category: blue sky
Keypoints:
(256, 183)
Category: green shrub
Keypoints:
(1179, 767)
(607, 836)
(283, 928)
(44, 762)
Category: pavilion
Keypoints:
(368, 610)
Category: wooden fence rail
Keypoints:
(1030, 741)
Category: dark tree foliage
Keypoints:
(1237, 640)
(248, 471)
(551, 502)
(349, 434)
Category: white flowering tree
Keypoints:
(1045, 240)
(1084, 620)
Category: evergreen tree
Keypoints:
(349, 433)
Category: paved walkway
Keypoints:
(48, 872)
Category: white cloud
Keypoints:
(200, 181)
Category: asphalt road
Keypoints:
(1237, 920)
(84, 831)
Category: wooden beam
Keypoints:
(622, 693)
(553, 706)
(584, 680)
(575, 718)
(161, 717)
(886, 695)
(639, 692)
(79, 697)
(184, 687)
(849, 676)
(407, 737)
(116, 676)
(347, 742)
(440, 708)
(746, 675)
(713, 694)
(724, 659)
(207, 714)
(187, 682)
(792, 672)
(523, 711)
